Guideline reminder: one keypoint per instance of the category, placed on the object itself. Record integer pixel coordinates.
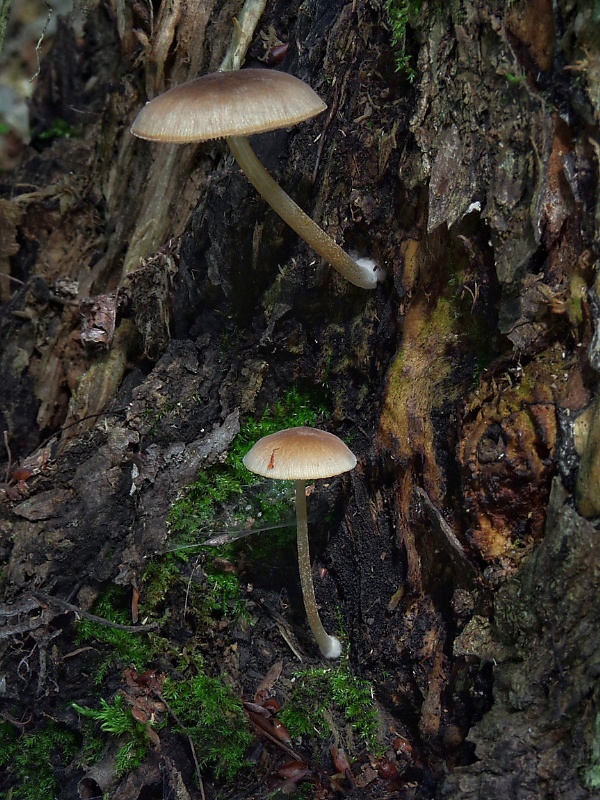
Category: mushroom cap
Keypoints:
(299, 454)
(224, 104)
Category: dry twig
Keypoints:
(56, 601)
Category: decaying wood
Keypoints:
(463, 552)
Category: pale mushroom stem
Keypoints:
(331, 647)
(360, 275)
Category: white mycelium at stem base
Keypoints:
(363, 272)
(329, 645)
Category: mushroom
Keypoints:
(234, 105)
(302, 454)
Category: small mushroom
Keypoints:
(302, 454)
(234, 105)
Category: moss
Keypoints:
(124, 647)
(592, 771)
(154, 416)
(418, 378)
(59, 129)
(31, 760)
(228, 493)
(317, 692)
(221, 593)
(159, 576)
(214, 719)
(400, 14)
(121, 649)
(92, 747)
(512, 78)
(207, 708)
(115, 718)
(211, 713)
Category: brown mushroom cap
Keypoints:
(299, 454)
(227, 104)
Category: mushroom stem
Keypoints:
(364, 275)
(331, 647)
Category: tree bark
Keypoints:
(464, 554)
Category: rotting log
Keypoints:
(466, 381)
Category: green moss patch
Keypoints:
(32, 759)
(400, 14)
(227, 494)
(318, 692)
(214, 719)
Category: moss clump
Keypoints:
(209, 710)
(219, 595)
(317, 692)
(59, 129)
(215, 721)
(400, 14)
(126, 648)
(31, 760)
(210, 713)
(228, 494)
(159, 577)
(116, 719)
